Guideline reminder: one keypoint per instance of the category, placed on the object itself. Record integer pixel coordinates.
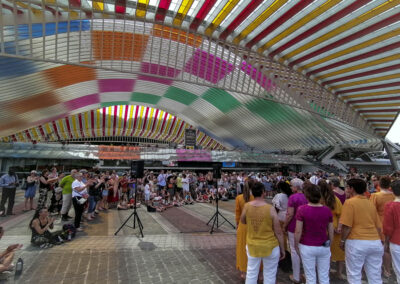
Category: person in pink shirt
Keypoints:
(313, 236)
(295, 201)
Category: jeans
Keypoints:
(92, 204)
(270, 267)
(7, 194)
(295, 258)
(365, 253)
(319, 257)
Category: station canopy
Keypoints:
(247, 74)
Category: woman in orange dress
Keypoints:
(333, 202)
(241, 255)
(379, 199)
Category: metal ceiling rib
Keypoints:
(113, 121)
(343, 46)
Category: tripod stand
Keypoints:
(135, 217)
(215, 220)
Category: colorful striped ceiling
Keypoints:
(112, 121)
(268, 74)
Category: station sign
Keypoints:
(190, 138)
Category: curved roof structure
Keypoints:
(248, 73)
(115, 121)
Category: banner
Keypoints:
(190, 138)
(193, 155)
(119, 153)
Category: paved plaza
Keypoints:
(176, 248)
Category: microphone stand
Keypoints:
(135, 216)
(214, 218)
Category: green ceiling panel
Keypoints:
(107, 104)
(272, 112)
(145, 98)
(222, 100)
(180, 95)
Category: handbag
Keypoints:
(82, 200)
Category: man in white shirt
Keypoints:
(185, 184)
(79, 195)
(314, 179)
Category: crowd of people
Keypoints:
(320, 220)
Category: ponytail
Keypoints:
(248, 185)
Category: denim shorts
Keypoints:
(105, 192)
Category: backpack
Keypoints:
(68, 232)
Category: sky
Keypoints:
(394, 133)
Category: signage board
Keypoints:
(190, 138)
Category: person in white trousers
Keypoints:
(66, 184)
(361, 240)
(313, 236)
(295, 200)
(264, 237)
(391, 228)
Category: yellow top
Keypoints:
(261, 238)
(379, 200)
(240, 205)
(336, 212)
(360, 214)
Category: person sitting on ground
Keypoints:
(212, 194)
(165, 195)
(177, 202)
(221, 190)
(200, 198)
(123, 205)
(7, 256)
(40, 225)
(188, 198)
(155, 205)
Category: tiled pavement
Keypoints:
(164, 255)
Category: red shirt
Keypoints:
(391, 222)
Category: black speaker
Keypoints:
(217, 171)
(137, 169)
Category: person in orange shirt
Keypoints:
(361, 228)
(379, 199)
(241, 200)
(391, 228)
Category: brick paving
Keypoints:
(186, 222)
(164, 255)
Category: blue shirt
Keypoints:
(7, 181)
(162, 179)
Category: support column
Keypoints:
(392, 158)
